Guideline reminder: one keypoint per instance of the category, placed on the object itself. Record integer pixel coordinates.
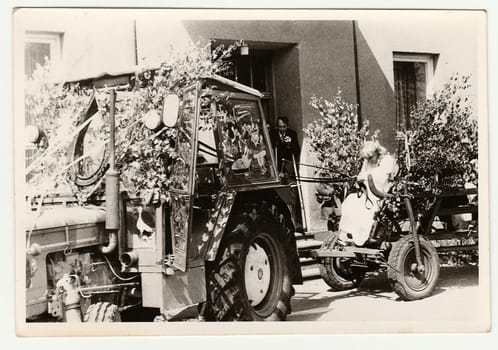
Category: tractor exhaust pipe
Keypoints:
(113, 242)
(128, 259)
(112, 185)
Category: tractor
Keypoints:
(223, 240)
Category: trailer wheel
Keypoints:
(405, 279)
(102, 312)
(249, 279)
(338, 275)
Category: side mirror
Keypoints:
(170, 110)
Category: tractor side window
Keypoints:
(206, 151)
(207, 181)
(185, 144)
(181, 168)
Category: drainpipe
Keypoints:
(112, 186)
(357, 73)
(135, 40)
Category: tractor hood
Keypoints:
(52, 217)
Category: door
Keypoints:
(182, 177)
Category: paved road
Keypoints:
(374, 306)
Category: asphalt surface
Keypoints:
(456, 304)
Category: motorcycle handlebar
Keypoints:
(374, 189)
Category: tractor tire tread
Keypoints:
(226, 297)
(102, 312)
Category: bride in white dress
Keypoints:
(358, 209)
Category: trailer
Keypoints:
(457, 235)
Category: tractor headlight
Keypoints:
(171, 105)
(33, 134)
(152, 120)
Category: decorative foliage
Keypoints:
(56, 108)
(336, 138)
(443, 147)
(443, 139)
(145, 153)
(141, 154)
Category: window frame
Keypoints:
(427, 58)
(54, 39)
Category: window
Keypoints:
(39, 46)
(412, 76)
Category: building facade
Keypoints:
(385, 61)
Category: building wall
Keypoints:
(451, 35)
(93, 42)
(310, 57)
(287, 81)
(377, 103)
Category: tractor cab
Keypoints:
(221, 146)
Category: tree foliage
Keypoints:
(443, 138)
(336, 137)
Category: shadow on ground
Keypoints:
(310, 306)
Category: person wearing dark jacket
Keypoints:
(284, 140)
(286, 147)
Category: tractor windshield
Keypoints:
(244, 142)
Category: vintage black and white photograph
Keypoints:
(181, 170)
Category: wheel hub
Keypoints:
(257, 274)
(417, 276)
(417, 268)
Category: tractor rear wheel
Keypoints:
(406, 279)
(102, 312)
(249, 279)
(336, 272)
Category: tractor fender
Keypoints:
(227, 203)
(218, 221)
